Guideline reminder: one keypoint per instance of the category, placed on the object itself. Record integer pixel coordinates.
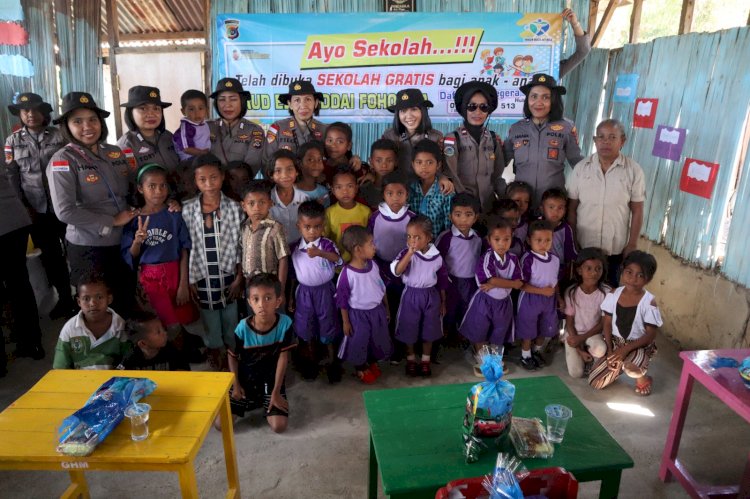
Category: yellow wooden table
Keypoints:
(183, 406)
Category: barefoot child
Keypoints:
(537, 304)
(584, 344)
(631, 322)
(422, 306)
(489, 317)
(360, 294)
(214, 222)
(157, 244)
(260, 356)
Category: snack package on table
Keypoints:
(86, 428)
(530, 439)
(488, 406)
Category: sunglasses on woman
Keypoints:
(482, 107)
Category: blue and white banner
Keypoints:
(360, 61)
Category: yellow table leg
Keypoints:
(188, 484)
(78, 486)
(230, 455)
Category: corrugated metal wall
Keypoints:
(40, 51)
(366, 133)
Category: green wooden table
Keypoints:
(415, 438)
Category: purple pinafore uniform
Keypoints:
(418, 317)
(461, 255)
(389, 235)
(520, 234)
(490, 314)
(315, 314)
(361, 291)
(537, 314)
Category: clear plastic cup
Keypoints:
(557, 420)
(138, 415)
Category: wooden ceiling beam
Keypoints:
(686, 17)
(635, 21)
(147, 37)
(608, 13)
(113, 32)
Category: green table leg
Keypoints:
(372, 477)
(610, 486)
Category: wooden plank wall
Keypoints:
(702, 81)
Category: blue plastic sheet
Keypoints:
(86, 428)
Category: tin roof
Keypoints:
(150, 17)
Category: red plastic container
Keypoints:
(555, 483)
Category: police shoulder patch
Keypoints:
(60, 166)
(449, 150)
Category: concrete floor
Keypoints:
(324, 454)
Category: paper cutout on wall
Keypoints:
(699, 177)
(668, 142)
(625, 87)
(13, 34)
(10, 10)
(16, 65)
(644, 113)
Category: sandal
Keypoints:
(644, 389)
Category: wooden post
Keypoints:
(608, 13)
(686, 16)
(635, 21)
(113, 35)
(593, 11)
(207, 62)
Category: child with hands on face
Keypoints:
(260, 355)
(422, 306)
(360, 294)
(489, 317)
(151, 350)
(315, 259)
(631, 322)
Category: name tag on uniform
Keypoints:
(60, 166)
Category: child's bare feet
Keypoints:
(643, 385)
(585, 355)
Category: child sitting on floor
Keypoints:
(151, 351)
(631, 322)
(92, 339)
(584, 343)
(261, 355)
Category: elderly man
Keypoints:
(607, 192)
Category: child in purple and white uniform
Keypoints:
(537, 304)
(388, 223)
(360, 294)
(423, 271)
(460, 248)
(554, 205)
(315, 259)
(507, 209)
(193, 138)
(489, 317)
